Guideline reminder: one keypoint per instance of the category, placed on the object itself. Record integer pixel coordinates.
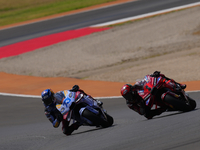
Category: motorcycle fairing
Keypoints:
(69, 99)
(145, 93)
(158, 79)
(148, 100)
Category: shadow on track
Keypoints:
(176, 113)
(91, 130)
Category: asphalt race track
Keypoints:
(24, 126)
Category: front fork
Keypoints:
(186, 98)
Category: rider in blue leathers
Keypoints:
(51, 99)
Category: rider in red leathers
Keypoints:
(135, 102)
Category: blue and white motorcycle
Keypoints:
(78, 106)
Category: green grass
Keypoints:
(15, 11)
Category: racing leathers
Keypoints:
(55, 114)
(138, 104)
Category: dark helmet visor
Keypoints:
(48, 101)
(130, 97)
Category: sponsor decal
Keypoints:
(62, 109)
(154, 82)
(141, 91)
(67, 101)
(177, 96)
(158, 79)
(70, 95)
(65, 92)
(147, 87)
(146, 98)
(147, 102)
(146, 79)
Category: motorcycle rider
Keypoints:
(51, 99)
(136, 103)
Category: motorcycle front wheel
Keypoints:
(97, 120)
(192, 102)
(179, 104)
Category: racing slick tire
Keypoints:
(97, 120)
(179, 104)
(109, 121)
(192, 103)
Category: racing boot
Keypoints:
(68, 130)
(183, 86)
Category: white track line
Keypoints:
(146, 15)
(37, 96)
(20, 95)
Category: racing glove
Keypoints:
(70, 129)
(75, 88)
(156, 74)
(72, 105)
(56, 123)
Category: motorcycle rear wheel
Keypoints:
(178, 104)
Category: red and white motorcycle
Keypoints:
(159, 92)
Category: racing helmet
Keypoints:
(47, 96)
(128, 92)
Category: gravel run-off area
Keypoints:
(169, 43)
